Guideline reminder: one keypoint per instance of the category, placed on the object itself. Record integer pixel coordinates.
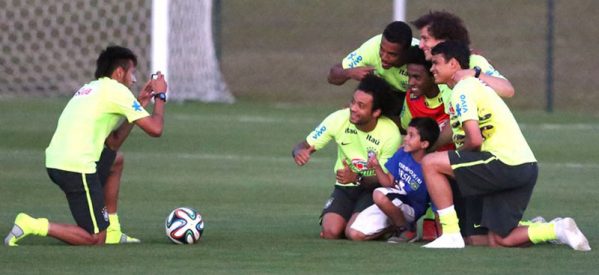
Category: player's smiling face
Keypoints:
(361, 109)
(420, 81)
(427, 42)
(441, 69)
(390, 54)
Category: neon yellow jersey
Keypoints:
(475, 60)
(368, 55)
(89, 117)
(473, 100)
(354, 145)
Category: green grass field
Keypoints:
(232, 162)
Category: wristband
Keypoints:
(477, 71)
(161, 96)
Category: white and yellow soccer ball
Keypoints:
(184, 225)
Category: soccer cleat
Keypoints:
(24, 226)
(118, 237)
(403, 236)
(568, 233)
(449, 240)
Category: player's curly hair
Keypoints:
(113, 57)
(443, 25)
(428, 129)
(381, 92)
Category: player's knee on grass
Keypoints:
(333, 226)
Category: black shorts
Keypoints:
(346, 201)
(85, 196)
(505, 190)
(105, 163)
(469, 210)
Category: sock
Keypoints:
(42, 227)
(541, 232)
(114, 222)
(449, 220)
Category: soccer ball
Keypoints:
(184, 225)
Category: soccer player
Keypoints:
(493, 161)
(381, 55)
(359, 130)
(436, 27)
(403, 198)
(423, 99)
(84, 126)
(439, 26)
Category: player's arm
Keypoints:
(154, 124)
(301, 152)
(500, 85)
(444, 138)
(338, 75)
(115, 140)
(474, 139)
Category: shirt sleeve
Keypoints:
(484, 65)
(124, 103)
(389, 149)
(325, 131)
(464, 101)
(363, 56)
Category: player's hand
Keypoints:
(372, 161)
(145, 94)
(345, 175)
(461, 74)
(360, 72)
(302, 156)
(159, 83)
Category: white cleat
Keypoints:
(568, 233)
(452, 240)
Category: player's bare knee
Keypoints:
(119, 162)
(331, 233)
(379, 197)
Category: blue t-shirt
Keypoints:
(408, 179)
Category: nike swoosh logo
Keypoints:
(345, 143)
(476, 225)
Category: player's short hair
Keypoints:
(415, 55)
(428, 129)
(398, 32)
(381, 92)
(113, 57)
(453, 49)
(443, 25)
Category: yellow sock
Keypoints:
(42, 227)
(449, 220)
(114, 222)
(541, 232)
